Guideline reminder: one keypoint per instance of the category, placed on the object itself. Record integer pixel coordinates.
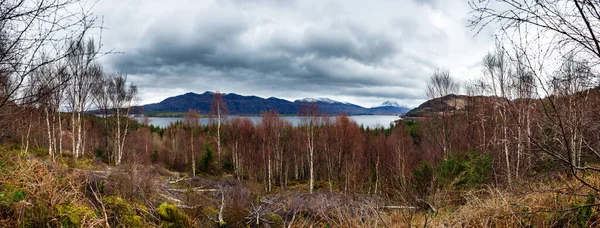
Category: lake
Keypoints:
(366, 120)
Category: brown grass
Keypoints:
(554, 202)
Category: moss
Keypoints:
(132, 221)
(114, 200)
(39, 151)
(3, 169)
(172, 216)
(124, 212)
(275, 219)
(74, 216)
(81, 163)
(11, 194)
(210, 211)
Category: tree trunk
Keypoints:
(60, 137)
(505, 143)
(50, 144)
(118, 139)
(311, 148)
(219, 135)
(79, 126)
(193, 158)
(269, 172)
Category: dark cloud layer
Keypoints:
(289, 49)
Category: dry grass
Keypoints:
(556, 202)
(50, 195)
(53, 195)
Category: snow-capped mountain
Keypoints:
(324, 100)
(391, 104)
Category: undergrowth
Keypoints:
(38, 193)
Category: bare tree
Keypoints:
(568, 24)
(497, 70)
(192, 120)
(271, 131)
(440, 85)
(218, 113)
(33, 34)
(523, 83)
(121, 96)
(85, 73)
(101, 99)
(309, 115)
(48, 83)
(543, 32)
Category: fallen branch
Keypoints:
(221, 221)
(176, 180)
(196, 189)
(399, 207)
(171, 198)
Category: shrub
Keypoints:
(123, 212)
(464, 171)
(74, 216)
(208, 158)
(414, 131)
(275, 219)
(11, 194)
(132, 183)
(423, 177)
(101, 154)
(172, 216)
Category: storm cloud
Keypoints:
(363, 52)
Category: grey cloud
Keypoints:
(251, 47)
(346, 40)
(311, 61)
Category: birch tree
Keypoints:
(121, 97)
(441, 84)
(192, 120)
(310, 120)
(218, 111)
(497, 71)
(33, 34)
(48, 82)
(85, 72)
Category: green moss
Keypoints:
(11, 194)
(210, 211)
(124, 213)
(172, 216)
(74, 216)
(114, 200)
(132, 221)
(3, 169)
(39, 151)
(275, 219)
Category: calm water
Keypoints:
(366, 120)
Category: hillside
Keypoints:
(449, 103)
(253, 105)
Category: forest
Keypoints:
(518, 146)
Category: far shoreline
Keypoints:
(182, 114)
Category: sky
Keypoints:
(363, 52)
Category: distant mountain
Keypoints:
(390, 103)
(253, 105)
(324, 100)
(389, 107)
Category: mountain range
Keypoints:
(253, 105)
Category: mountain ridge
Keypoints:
(254, 105)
